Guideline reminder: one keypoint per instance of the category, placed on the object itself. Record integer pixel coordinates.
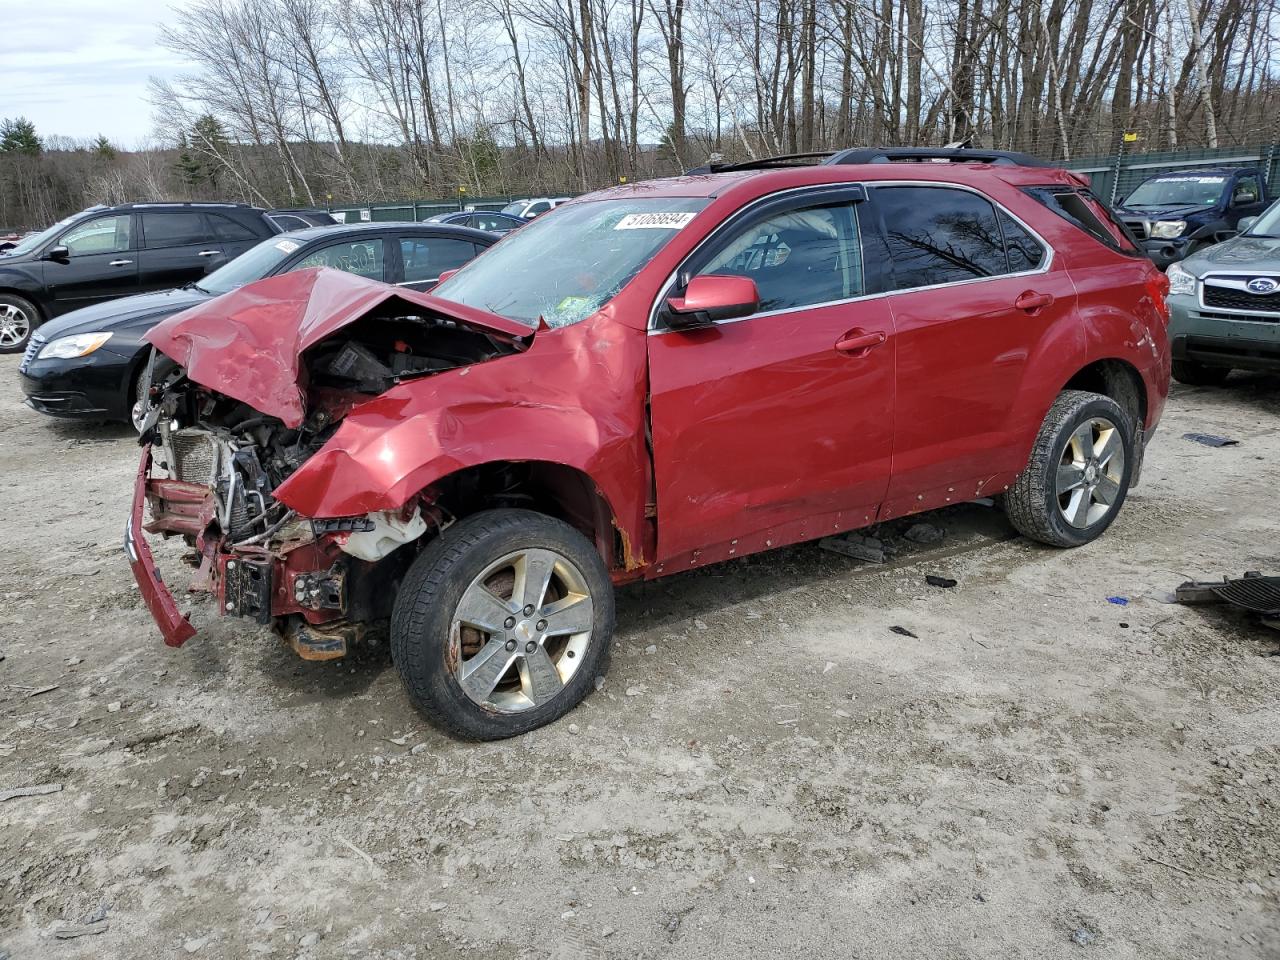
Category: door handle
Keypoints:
(208, 253)
(1031, 301)
(857, 343)
(119, 263)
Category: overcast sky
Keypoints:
(78, 68)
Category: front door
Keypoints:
(974, 293)
(101, 263)
(778, 426)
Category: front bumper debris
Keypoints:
(174, 626)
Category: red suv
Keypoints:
(650, 378)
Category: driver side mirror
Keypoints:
(1245, 223)
(59, 253)
(711, 298)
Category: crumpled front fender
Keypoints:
(575, 398)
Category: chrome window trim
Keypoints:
(1225, 275)
(1047, 263)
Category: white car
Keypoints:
(531, 208)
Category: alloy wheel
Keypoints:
(1090, 472)
(521, 630)
(15, 325)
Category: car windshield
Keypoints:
(1268, 224)
(1181, 191)
(515, 207)
(253, 264)
(567, 265)
(27, 244)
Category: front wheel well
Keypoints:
(1119, 380)
(554, 489)
(42, 315)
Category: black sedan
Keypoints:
(86, 364)
(490, 220)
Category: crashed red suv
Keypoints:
(650, 378)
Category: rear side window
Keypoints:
(425, 258)
(798, 258)
(224, 228)
(173, 229)
(940, 235)
(1091, 215)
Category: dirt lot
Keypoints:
(769, 770)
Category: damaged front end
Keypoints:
(244, 391)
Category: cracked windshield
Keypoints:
(566, 267)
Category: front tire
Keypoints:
(502, 624)
(1078, 474)
(18, 318)
(1195, 374)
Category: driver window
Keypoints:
(797, 259)
(1246, 190)
(102, 235)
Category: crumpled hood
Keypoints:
(248, 344)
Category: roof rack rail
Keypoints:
(1003, 158)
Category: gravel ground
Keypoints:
(769, 769)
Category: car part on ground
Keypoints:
(1252, 593)
(105, 253)
(104, 386)
(655, 378)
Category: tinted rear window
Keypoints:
(173, 229)
(940, 235)
(1090, 214)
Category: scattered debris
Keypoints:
(634, 691)
(113, 707)
(934, 581)
(36, 791)
(855, 545)
(69, 931)
(36, 693)
(1119, 601)
(1252, 593)
(418, 748)
(356, 850)
(1210, 440)
(1082, 936)
(903, 632)
(924, 533)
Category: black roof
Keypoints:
(860, 155)
(399, 226)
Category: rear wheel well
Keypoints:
(554, 489)
(1118, 380)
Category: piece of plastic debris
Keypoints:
(36, 791)
(1210, 440)
(69, 931)
(944, 582)
(903, 632)
(1119, 601)
(857, 546)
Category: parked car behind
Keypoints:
(1226, 305)
(87, 363)
(528, 209)
(300, 218)
(494, 221)
(105, 253)
(651, 378)
(1175, 214)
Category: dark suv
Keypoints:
(107, 252)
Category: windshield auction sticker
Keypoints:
(287, 246)
(655, 221)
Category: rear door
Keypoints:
(232, 235)
(973, 292)
(102, 263)
(178, 246)
(775, 427)
(424, 257)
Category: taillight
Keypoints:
(1158, 290)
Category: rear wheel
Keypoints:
(1195, 374)
(18, 317)
(502, 624)
(1078, 474)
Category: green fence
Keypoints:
(1113, 178)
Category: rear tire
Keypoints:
(1078, 474)
(1195, 374)
(502, 624)
(18, 318)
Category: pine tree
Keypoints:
(19, 136)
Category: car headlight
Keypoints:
(1168, 229)
(77, 345)
(1180, 281)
